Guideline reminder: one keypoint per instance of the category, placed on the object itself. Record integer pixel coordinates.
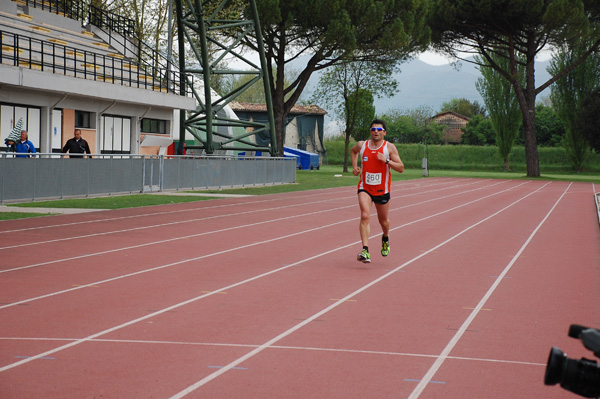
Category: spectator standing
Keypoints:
(77, 146)
(24, 147)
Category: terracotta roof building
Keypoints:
(454, 123)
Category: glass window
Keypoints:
(116, 136)
(28, 117)
(83, 119)
(157, 126)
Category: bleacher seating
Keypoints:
(69, 49)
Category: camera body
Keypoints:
(578, 376)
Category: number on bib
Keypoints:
(373, 179)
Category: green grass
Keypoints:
(574, 177)
(20, 215)
(114, 202)
(553, 160)
(327, 177)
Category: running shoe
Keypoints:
(385, 248)
(364, 256)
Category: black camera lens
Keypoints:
(555, 370)
(578, 376)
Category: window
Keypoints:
(158, 126)
(29, 118)
(116, 136)
(83, 119)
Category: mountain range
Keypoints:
(422, 84)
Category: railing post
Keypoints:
(161, 173)
(143, 173)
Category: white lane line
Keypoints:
(150, 315)
(193, 209)
(204, 208)
(298, 326)
(221, 230)
(232, 249)
(282, 347)
(444, 355)
(179, 222)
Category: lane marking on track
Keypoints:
(203, 219)
(204, 208)
(290, 331)
(280, 347)
(239, 227)
(452, 343)
(233, 249)
(430, 382)
(112, 219)
(257, 277)
(235, 368)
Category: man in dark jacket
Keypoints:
(77, 146)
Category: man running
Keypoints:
(377, 158)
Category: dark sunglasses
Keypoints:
(376, 129)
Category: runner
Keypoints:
(378, 157)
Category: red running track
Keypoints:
(262, 297)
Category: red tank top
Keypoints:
(375, 176)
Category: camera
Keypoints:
(578, 376)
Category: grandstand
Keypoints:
(66, 64)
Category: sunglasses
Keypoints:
(376, 129)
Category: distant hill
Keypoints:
(422, 84)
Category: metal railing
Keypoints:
(137, 49)
(144, 57)
(74, 9)
(111, 21)
(55, 176)
(27, 52)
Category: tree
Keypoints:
(569, 92)
(361, 109)
(349, 88)
(413, 126)
(254, 93)
(149, 20)
(550, 130)
(516, 30)
(479, 131)
(330, 32)
(464, 107)
(588, 122)
(501, 101)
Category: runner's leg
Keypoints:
(365, 203)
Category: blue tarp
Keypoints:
(308, 160)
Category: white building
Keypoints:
(59, 72)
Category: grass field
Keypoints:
(476, 158)
(327, 176)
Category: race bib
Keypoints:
(373, 179)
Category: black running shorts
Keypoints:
(378, 199)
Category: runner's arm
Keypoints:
(395, 162)
(354, 151)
